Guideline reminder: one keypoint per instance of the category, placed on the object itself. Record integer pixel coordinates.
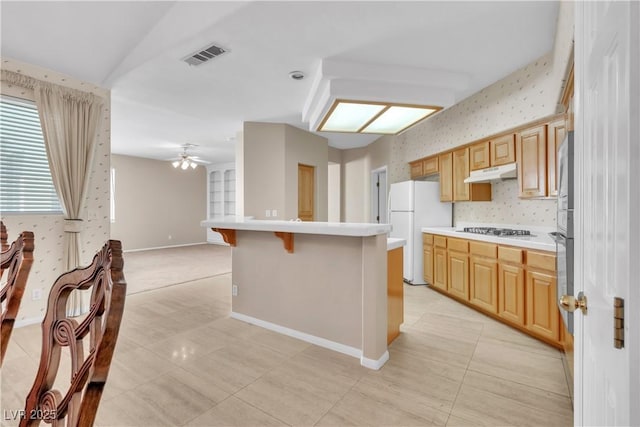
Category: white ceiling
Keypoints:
(448, 48)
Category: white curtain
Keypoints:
(70, 121)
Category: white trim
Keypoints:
(322, 342)
(375, 364)
(28, 321)
(165, 247)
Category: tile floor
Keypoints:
(181, 360)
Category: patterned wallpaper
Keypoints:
(526, 95)
(48, 229)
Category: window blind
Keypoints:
(25, 180)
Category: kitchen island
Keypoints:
(324, 283)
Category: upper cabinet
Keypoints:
(446, 177)
(533, 146)
(531, 154)
(556, 132)
(503, 149)
(479, 156)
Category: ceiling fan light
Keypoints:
(193, 165)
(176, 163)
(184, 165)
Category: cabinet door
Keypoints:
(460, 172)
(416, 169)
(459, 275)
(511, 293)
(446, 177)
(531, 152)
(440, 268)
(428, 263)
(503, 150)
(479, 156)
(555, 135)
(430, 165)
(483, 283)
(542, 311)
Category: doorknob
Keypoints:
(571, 303)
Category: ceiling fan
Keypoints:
(185, 161)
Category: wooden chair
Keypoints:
(3, 237)
(77, 404)
(16, 260)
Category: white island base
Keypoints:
(322, 283)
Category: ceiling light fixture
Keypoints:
(373, 117)
(185, 161)
(296, 75)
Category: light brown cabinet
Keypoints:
(531, 155)
(461, 191)
(427, 251)
(430, 165)
(483, 276)
(440, 262)
(395, 294)
(446, 177)
(479, 156)
(503, 150)
(458, 268)
(415, 169)
(511, 290)
(556, 132)
(514, 285)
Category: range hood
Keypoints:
(496, 173)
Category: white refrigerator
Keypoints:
(413, 205)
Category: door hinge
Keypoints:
(618, 322)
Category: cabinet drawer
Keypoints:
(458, 245)
(510, 254)
(483, 249)
(427, 239)
(542, 260)
(440, 241)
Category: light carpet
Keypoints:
(158, 268)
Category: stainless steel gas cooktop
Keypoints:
(492, 231)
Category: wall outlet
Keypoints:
(267, 213)
(234, 290)
(36, 294)
(274, 212)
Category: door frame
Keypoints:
(377, 202)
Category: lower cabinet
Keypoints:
(542, 312)
(511, 293)
(514, 285)
(484, 283)
(459, 275)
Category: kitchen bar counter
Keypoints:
(539, 239)
(324, 283)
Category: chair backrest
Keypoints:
(16, 260)
(3, 237)
(77, 402)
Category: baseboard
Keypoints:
(164, 247)
(29, 321)
(375, 364)
(312, 339)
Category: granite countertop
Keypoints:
(353, 229)
(539, 238)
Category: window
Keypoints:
(25, 180)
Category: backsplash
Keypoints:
(507, 208)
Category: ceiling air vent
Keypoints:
(202, 56)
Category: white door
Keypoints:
(607, 210)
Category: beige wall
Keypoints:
(334, 190)
(271, 153)
(302, 147)
(331, 287)
(48, 229)
(156, 204)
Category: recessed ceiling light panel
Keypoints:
(373, 117)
